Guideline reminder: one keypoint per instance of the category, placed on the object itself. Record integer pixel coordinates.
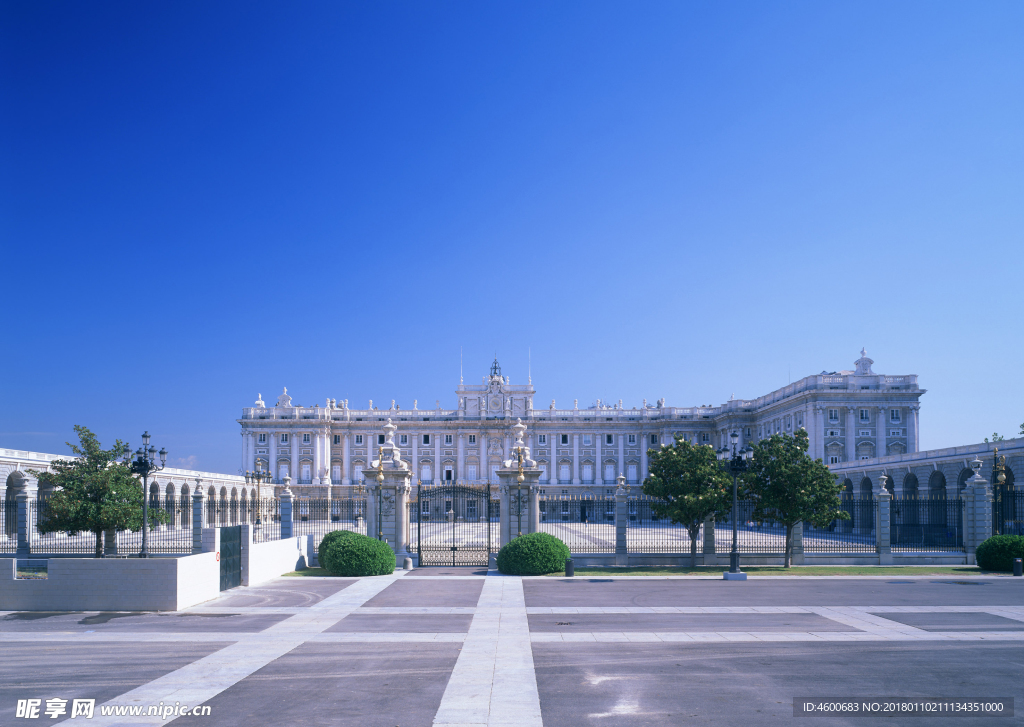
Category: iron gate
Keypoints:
(230, 557)
(453, 524)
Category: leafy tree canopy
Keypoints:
(787, 486)
(689, 484)
(93, 493)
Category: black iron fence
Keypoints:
(583, 522)
(855, 534)
(1007, 512)
(753, 536)
(646, 532)
(317, 517)
(932, 524)
(8, 526)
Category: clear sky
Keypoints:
(203, 201)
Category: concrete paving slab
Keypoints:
(447, 572)
(638, 591)
(99, 671)
(427, 592)
(136, 621)
(954, 621)
(728, 684)
(685, 622)
(327, 684)
(283, 592)
(411, 623)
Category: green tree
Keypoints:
(997, 437)
(690, 484)
(788, 487)
(94, 492)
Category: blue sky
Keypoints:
(200, 202)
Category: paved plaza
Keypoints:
(452, 646)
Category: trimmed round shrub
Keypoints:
(998, 552)
(533, 554)
(344, 553)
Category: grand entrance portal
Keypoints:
(454, 524)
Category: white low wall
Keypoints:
(269, 560)
(112, 584)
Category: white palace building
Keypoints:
(849, 415)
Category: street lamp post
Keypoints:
(735, 463)
(145, 464)
(258, 477)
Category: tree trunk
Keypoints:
(693, 547)
(789, 545)
(99, 544)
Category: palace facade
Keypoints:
(849, 415)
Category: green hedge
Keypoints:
(344, 553)
(533, 555)
(998, 552)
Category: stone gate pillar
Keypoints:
(977, 498)
(520, 502)
(883, 540)
(389, 481)
(197, 517)
(621, 523)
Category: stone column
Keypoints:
(294, 440)
(460, 462)
(400, 539)
(798, 544)
(504, 498)
(318, 457)
(346, 461)
(912, 445)
(819, 426)
(437, 459)
(197, 517)
(880, 433)
(621, 523)
(643, 458)
(710, 556)
(598, 459)
(851, 435)
(883, 544)
(977, 497)
(272, 457)
(576, 459)
(622, 452)
(109, 542)
(287, 529)
(535, 507)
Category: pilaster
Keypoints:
(197, 517)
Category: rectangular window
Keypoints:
(542, 439)
(380, 439)
(471, 471)
(833, 459)
(565, 439)
(865, 432)
(305, 439)
(336, 473)
(284, 439)
(587, 440)
(403, 439)
(609, 472)
(833, 432)
(359, 439)
(894, 415)
(654, 439)
(895, 433)
(864, 415)
(337, 439)
(833, 415)
(426, 439)
(631, 439)
(472, 439)
(263, 438)
(448, 439)
(609, 439)
(746, 432)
